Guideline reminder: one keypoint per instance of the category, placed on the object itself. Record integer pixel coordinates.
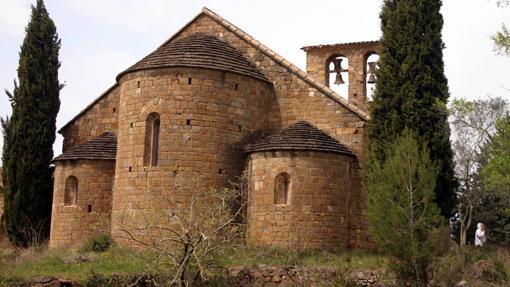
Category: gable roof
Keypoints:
(198, 50)
(268, 52)
(102, 147)
(300, 136)
(277, 58)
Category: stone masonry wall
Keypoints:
(72, 225)
(101, 117)
(295, 99)
(322, 210)
(206, 116)
(317, 65)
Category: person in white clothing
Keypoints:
(480, 235)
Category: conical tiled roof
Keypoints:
(299, 136)
(201, 51)
(102, 147)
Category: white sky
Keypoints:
(100, 38)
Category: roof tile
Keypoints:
(102, 147)
(299, 136)
(198, 50)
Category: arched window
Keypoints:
(152, 128)
(281, 189)
(71, 191)
(371, 68)
(337, 71)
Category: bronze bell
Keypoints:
(371, 72)
(339, 80)
(337, 63)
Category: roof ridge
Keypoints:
(277, 58)
(103, 94)
(270, 53)
(360, 43)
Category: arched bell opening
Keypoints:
(371, 66)
(337, 69)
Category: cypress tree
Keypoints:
(30, 133)
(412, 90)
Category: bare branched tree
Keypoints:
(188, 236)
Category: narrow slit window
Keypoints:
(71, 191)
(155, 142)
(152, 135)
(281, 189)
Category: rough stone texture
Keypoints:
(296, 99)
(263, 275)
(72, 225)
(323, 210)
(319, 57)
(206, 116)
(99, 117)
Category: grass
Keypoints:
(246, 255)
(27, 264)
(56, 263)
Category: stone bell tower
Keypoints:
(334, 64)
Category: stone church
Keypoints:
(208, 104)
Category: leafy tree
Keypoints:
(493, 210)
(496, 173)
(4, 125)
(403, 217)
(502, 38)
(412, 90)
(30, 132)
(473, 126)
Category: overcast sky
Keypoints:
(100, 38)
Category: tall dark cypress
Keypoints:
(30, 134)
(412, 90)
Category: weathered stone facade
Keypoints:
(204, 122)
(99, 117)
(323, 193)
(202, 96)
(319, 57)
(72, 224)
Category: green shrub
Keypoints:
(99, 243)
(497, 274)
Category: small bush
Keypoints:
(97, 244)
(497, 274)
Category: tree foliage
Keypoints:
(30, 132)
(412, 90)
(473, 126)
(402, 214)
(496, 173)
(502, 38)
